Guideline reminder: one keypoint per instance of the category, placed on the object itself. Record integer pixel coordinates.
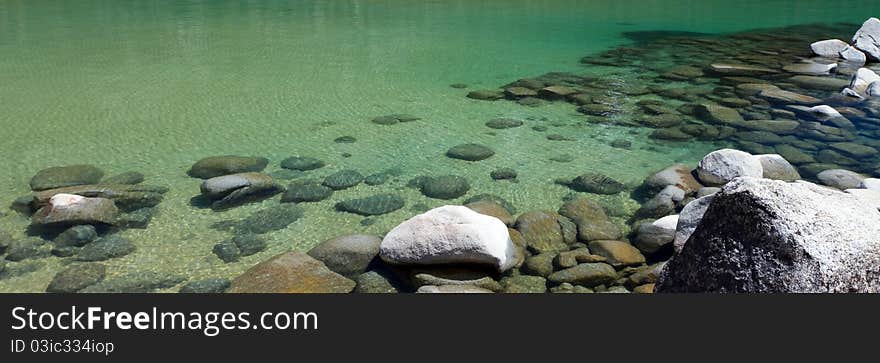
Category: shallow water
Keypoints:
(153, 86)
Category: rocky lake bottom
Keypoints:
(568, 159)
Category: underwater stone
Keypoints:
(345, 140)
(503, 173)
(264, 221)
(348, 255)
(77, 277)
(127, 178)
(302, 163)
(377, 178)
(585, 274)
(596, 183)
(29, 248)
(470, 152)
(305, 192)
(291, 272)
(71, 209)
(236, 189)
(65, 176)
(504, 123)
(106, 248)
(372, 205)
(486, 95)
(445, 187)
(492, 198)
(226, 251)
(222, 165)
(76, 236)
(206, 286)
(343, 179)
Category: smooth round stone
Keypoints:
(621, 144)
(445, 187)
(286, 174)
(264, 221)
(491, 209)
(127, 178)
(227, 251)
(302, 163)
(306, 192)
(377, 179)
(343, 179)
(504, 123)
(373, 205)
(722, 166)
(77, 277)
(65, 176)
(470, 152)
(215, 166)
(841, 179)
(206, 286)
(486, 95)
(492, 198)
(503, 174)
(249, 244)
(291, 272)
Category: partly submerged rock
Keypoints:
(840, 178)
(72, 209)
(348, 255)
(596, 183)
(235, 189)
(722, 166)
(867, 38)
(449, 235)
(776, 167)
(291, 272)
(263, 221)
(828, 48)
(771, 236)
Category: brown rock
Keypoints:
(291, 272)
(618, 253)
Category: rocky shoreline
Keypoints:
(791, 206)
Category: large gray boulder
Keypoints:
(867, 38)
(449, 235)
(761, 235)
(722, 166)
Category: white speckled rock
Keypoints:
(449, 235)
(828, 48)
(689, 219)
(867, 38)
(840, 178)
(853, 55)
(873, 89)
(761, 235)
(721, 166)
(776, 167)
(871, 183)
(652, 236)
(868, 196)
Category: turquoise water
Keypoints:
(153, 86)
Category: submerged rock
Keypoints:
(263, 221)
(375, 282)
(470, 152)
(291, 272)
(492, 209)
(449, 235)
(106, 248)
(504, 123)
(302, 163)
(445, 187)
(77, 277)
(206, 286)
(76, 236)
(772, 236)
(304, 192)
(678, 175)
(223, 165)
(596, 183)
(372, 205)
(592, 223)
(127, 178)
(343, 179)
(65, 176)
(486, 95)
(126, 197)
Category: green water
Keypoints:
(153, 86)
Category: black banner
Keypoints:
(412, 327)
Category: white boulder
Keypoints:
(449, 235)
(721, 166)
(828, 48)
(853, 55)
(862, 79)
(867, 38)
(650, 237)
(776, 167)
(871, 183)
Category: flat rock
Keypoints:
(788, 97)
(678, 175)
(470, 152)
(504, 123)
(264, 220)
(617, 253)
(811, 69)
(222, 165)
(840, 178)
(343, 179)
(818, 83)
(585, 274)
(106, 248)
(291, 272)
(718, 114)
(65, 176)
(71, 209)
(373, 205)
(306, 192)
(445, 187)
(596, 183)
(730, 69)
(302, 163)
(77, 277)
(235, 189)
(449, 235)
